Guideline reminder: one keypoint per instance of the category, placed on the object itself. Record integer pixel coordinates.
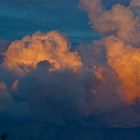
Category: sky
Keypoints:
(69, 69)
(18, 18)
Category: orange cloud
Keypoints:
(120, 28)
(22, 56)
(125, 61)
(99, 73)
(135, 3)
(120, 21)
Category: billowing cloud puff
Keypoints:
(120, 27)
(135, 3)
(63, 95)
(120, 20)
(22, 56)
(125, 61)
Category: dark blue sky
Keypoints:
(21, 17)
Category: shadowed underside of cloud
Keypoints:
(43, 79)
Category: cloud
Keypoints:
(120, 21)
(15, 85)
(43, 80)
(135, 3)
(120, 27)
(125, 60)
(22, 56)
(63, 96)
(59, 95)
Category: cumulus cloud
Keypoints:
(22, 56)
(47, 93)
(120, 21)
(135, 3)
(125, 60)
(43, 80)
(15, 85)
(120, 27)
